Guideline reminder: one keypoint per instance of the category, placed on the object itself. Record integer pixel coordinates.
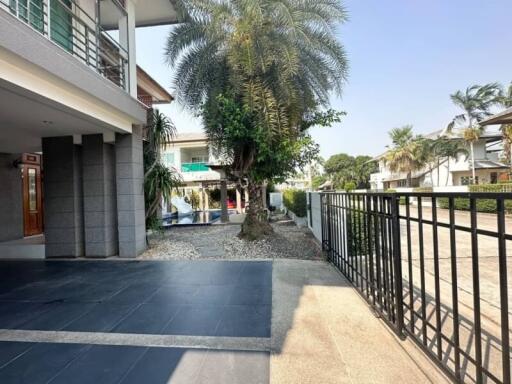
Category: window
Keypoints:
(168, 159)
(61, 28)
(199, 159)
(494, 177)
(467, 180)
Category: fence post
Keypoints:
(397, 264)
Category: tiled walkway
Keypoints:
(119, 322)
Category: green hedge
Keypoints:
(482, 205)
(296, 201)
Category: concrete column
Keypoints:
(206, 199)
(11, 198)
(238, 199)
(99, 188)
(130, 194)
(127, 40)
(224, 217)
(63, 198)
(201, 199)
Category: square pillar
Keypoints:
(63, 198)
(99, 188)
(131, 221)
(224, 217)
(238, 199)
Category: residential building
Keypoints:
(489, 169)
(71, 124)
(191, 156)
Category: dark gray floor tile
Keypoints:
(211, 295)
(57, 316)
(251, 295)
(245, 321)
(100, 364)
(177, 294)
(40, 363)
(221, 367)
(195, 321)
(157, 366)
(13, 314)
(135, 293)
(10, 350)
(101, 318)
(150, 318)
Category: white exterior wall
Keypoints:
(314, 215)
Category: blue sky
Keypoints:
(406, 57)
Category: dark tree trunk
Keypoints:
(255, 225)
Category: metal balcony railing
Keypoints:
(194, 167)
(66, 24)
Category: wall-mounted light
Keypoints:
(17, 164)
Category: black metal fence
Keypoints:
(434, 267)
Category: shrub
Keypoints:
(295, 201)
(349, 186)
(482, 205)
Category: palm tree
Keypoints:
(277, 60)
(159, 180)
(446, 149)
(407, 154)
(471, 135)
(476, 102)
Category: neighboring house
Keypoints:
(70, 123)
(192, 157)
(451, 172)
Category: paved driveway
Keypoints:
(134, 322)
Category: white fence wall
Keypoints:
(314, 215)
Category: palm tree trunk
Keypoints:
(409, 179)
(473, 163)
(438, 170)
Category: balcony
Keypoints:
(194, 167)
(66, 24)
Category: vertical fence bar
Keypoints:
(385, 256)
(455, 294)
(376, 223)
(476, 291)
(502, 252)
(371, 245)
(422, 273)
(397, 261)
(437, 285)
(409, 259)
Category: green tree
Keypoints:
(407, 153)
(272, 64)
(343, 168)
(159, 181)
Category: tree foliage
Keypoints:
(343, 169)
(159, 180)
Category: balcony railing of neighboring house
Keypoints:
(194, 167)
(66, 24)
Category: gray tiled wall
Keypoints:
(130, 194)
(63, 198)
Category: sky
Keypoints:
(406, 57)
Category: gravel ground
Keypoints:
(221, 242)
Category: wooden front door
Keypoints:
(32, 195)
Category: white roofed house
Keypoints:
(73, 103)
(451, 171)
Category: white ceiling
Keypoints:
(147, 13)
(22, 116)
